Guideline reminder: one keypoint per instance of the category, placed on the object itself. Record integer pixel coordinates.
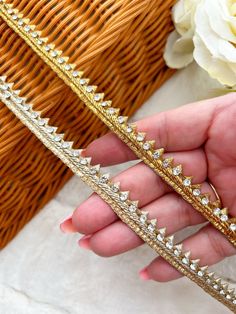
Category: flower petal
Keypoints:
(220, 19)
(178, 51)
(182, 15)
(219, 47)
(216, 68)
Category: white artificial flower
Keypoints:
(211, 30)
(179, 46)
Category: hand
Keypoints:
(200, 136)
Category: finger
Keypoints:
(184, 128)
(208, 245)
(118, 238)
(94, 214)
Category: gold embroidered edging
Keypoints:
(173, 175)
(119, 201)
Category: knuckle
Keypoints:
(162, 129)
(184, 212)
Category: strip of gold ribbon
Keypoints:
(126, 209)
(145, 150)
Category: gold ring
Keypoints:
(216, 193)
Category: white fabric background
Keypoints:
(43, 271)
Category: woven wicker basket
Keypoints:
(119, 45)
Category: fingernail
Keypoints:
(66, 225)
(84, 242)
(143, 274)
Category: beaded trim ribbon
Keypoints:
(145, 150)
(126, 209)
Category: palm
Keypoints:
(220, 150)
(202, 137)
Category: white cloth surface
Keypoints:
(43, 271)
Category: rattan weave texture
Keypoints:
(119, 45)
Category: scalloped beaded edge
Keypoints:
(172, 174)
(119, 200)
